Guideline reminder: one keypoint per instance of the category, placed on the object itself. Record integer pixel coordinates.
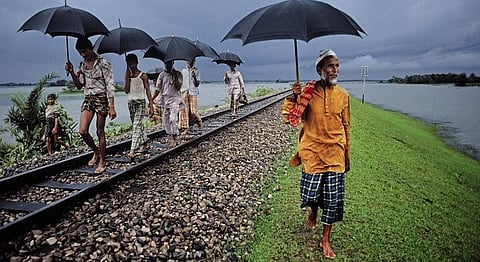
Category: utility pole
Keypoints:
(364, 72)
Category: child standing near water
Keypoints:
(52, 124)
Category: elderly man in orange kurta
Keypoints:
(323, 109)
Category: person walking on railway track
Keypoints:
(53, 127)
(235, 86)
(136, 86)
(168, 87)
(95, 76)
(157, 110)
(189, 90)
(323, 108)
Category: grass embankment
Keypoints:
(409, 197)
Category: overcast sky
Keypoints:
(404, 37)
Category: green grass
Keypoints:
(409, 197)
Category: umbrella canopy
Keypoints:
(65, 21)
(207, 50)
(122, 40)
(173, 48)
(293, 19)
(228, 57)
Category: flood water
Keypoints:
(454, 109)
(211, 94)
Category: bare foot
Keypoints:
(327, 250)
(144, 148)
(94, 160)
(312, 220)
(173, 142)
(102, 166)
(131, 155)
(185, 132)
(100, 169)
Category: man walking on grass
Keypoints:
(323, 108)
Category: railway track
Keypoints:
(40, 195)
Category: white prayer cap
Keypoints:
(323, 54)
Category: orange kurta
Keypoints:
(324, 138)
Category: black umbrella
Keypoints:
(65, 21)
(122, 40)
(207, 50)
(173, 48)
(228, 57)
(293, 19)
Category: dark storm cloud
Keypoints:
(404, 37)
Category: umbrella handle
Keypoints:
(68, 54)
(296, 61)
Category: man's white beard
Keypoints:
(330, 81)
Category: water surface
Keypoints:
(455, 109)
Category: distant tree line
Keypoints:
(61, 82)
(16, 84)
(450, 78)
(70, 86)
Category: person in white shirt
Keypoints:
(189, 90)
(136, 86)
(235, 86)
(168, 87)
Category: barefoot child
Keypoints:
(52, 125)
(136, 87)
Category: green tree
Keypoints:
(26, 123)
(25, 116)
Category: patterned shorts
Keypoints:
(97, 103)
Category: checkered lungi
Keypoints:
(192, 108)
(137, 109)
(183, 120)
(325, 190)
(190, 111)
(157, 113)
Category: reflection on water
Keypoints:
(452, 108)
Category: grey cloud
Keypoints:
(404, 37)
